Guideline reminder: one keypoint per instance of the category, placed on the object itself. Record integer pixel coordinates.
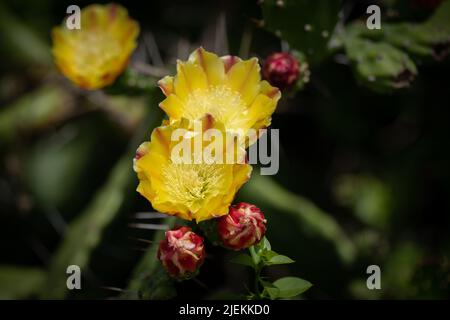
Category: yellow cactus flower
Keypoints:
(95, 55)
(191, 191)
(228, 88)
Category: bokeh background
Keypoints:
(364, 176)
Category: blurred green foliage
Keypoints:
(305, 25)
(20, 282)
(368, 197)
(33, 111)
(380, 57)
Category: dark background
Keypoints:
(376, 163)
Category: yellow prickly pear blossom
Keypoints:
(95, 55)
(191, 191)
(228, 88)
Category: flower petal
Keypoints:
(166, 85)
(270, 91)
(261, 111)
(229, 61)
(214, 208)
(211, 64)
(241, 175)
(160, 141)
(146, 190)
(245, 77)
(189, 77)
(173, 106)
(151, 166)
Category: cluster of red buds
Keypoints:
(182, 251)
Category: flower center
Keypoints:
(191, 184)
(95, 50)
(224, 104)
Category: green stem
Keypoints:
(257, 281)
(258, 268)
(254, 255)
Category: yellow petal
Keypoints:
(264, 105)
(91, 17)
(189, 77)
(261, 110)
(245, 77)
(145, 189)
(166, 85)
(115, 14)
(211, 64)
(270, 91)
(150, 165)
(212, 209)
(160, 141)
(173, 106)
(229, 61)
(170, 209)
(241, 175)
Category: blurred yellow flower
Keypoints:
(191, 191)
(95, 55)
(228, 88)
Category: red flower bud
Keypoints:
(281, 69)
(243, 227)
(181, 252)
